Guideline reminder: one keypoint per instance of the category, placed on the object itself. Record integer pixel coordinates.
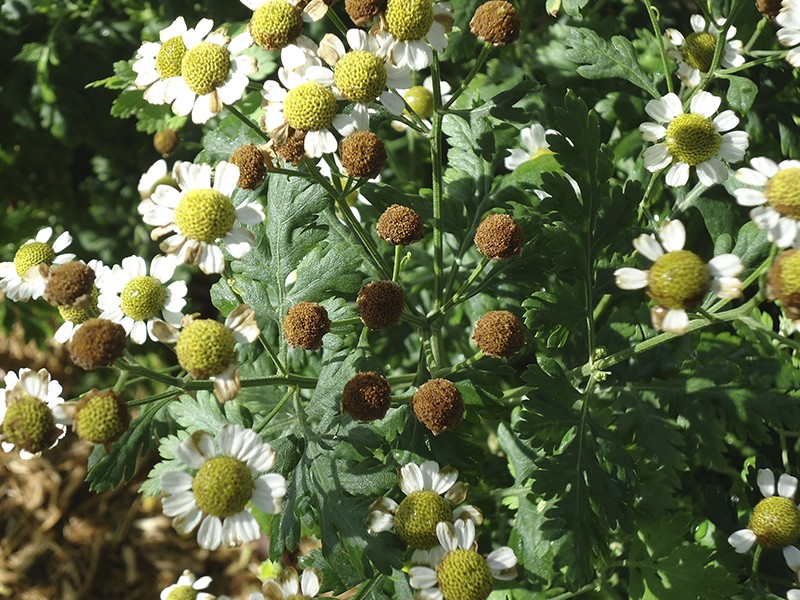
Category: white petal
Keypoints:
(61, 242)
(766, 482)
(678, 175)
(727, 287)
(648, 247)
(211, 259)
(787, 486)
(196, 449)
(226, 175)
(748, 197)
(172, 482)
(725, 265)
(652, 132)
(705, 104)
(502, 562)
(627, 278)
(673, 236)
(310, 583)
(447, 536)
(675, 321)
(742, 540)
(665, 109)
(411, 479)
(318, 143)
(239, 242)
(421, 578)
(209, 535)
(250, 214)
(792, 557)
(726, 120)
(656, 157)
(765, 166)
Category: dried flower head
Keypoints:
(101, 417)
(497, 22)
(292, 150)
(252, 166)
(98, 343)
(166, 141)
(499, 237)
(305, 324)
(400, 225)
(367, 396)
(380, 304)
(70, 285)
(499, 333)
(438, 405)
(363, 11)
(363, 155)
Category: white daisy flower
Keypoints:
(134, 299)
(533, 140)
(420, 99)
(776, 198)
(775, 522)
(197, 216)
(187, 586)
(288, 586)
(692, 140)
(277, 23)
(25, 277)
(789, 33)
(695, 52)
(157, 174)
(361, 75)
(793, 595)
(75, 317)
(410, 30)
(206, 350)
(229, 472)
(158, 62)
(461, 573)
(32, 415)
(679, 279)
(431, 494)
(210, 76)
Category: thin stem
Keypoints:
(458, 296)
(336, 21)
(436, 163)
(654, 15)
(346, 322)
(154, 398)
(398, 259)
(464, 364)
(248, 122)
(487, 46)
(121, 380)
(758, 61)
(275, 410)
(759, 28)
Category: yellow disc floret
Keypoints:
(29, 424)
(698, 50)
(101, 417)
(692, 139)
(420, 99)
(464, 575)
(678, 280)
(409, 20)
(776, 522)
(142, 298)
(360, 76)
(783, 192)
(417, 516)
(205, 67)
(310, 106)
(32, 255)
(275, 24)
(205, 348)
(205, 215)
(223, 486)
(169, 58)
(183, 592)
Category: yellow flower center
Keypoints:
(205, 215)
(100, 420)
(205, 67)
(420, 99)
(32, 255)
(275, 24)
(698, 50)
(169, 58)
(788, 264)
(361, 76)
(692, 139)
(417, 516)
(205, 348)
(409, 19)
(223, 486)
(79, 315)
(783, 192)
(678, 280)
(29, 424)
(143, 297)
(776, 522)
(183, 592)
(309, 107)
(464, 575)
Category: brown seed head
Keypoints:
(438, 405)
(769, 8)
(252, 166)
(497, 22)
(293, 150)
(400, 225)
(367, 396)
(166, 141)
(363, 155)
(305, 324)
(98, 343)
(380, 304)
(101, 417)
(70, 285)
(499, 333)
(361, 12)
(499, 237)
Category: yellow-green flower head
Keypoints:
(200, 215)
(775, 197)
(695, 52)
(228, 473)
(32, 418)
(276, 24)
(420, 99)
(783, 283)
(414, 28)
(310, 107)
(205, 67)
(26, 276)
(409, 19)
(360, 76)
(101, 417)
(187, 588)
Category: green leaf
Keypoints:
(741, 93)
(205, 413)
(600, 59)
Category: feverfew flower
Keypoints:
(461, 573)
(228, 471)
(696, 51)
(692, 140)
(210, 76)
(26, 276)
(431, 494)
(187, 586)
(134, 299)
(410, 30)
(278, 23)
(679, 279)
(789, 33)
(32, 415)
(197, 216)
(157, 174)
(776, 199)
(534, 144)
(158, 62)
(775, 522)
(420, 99)
(288, 586)
(75, 317)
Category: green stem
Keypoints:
(248, 122)
(436, 164)
(346, 322)
(336, 21)
(275, 410)
(465, 364)
(398, 258)
(759, 28)
(487, 46)
(460, 293)
(121, 380)
(154, 398)
(753, 63)
(654, 15)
